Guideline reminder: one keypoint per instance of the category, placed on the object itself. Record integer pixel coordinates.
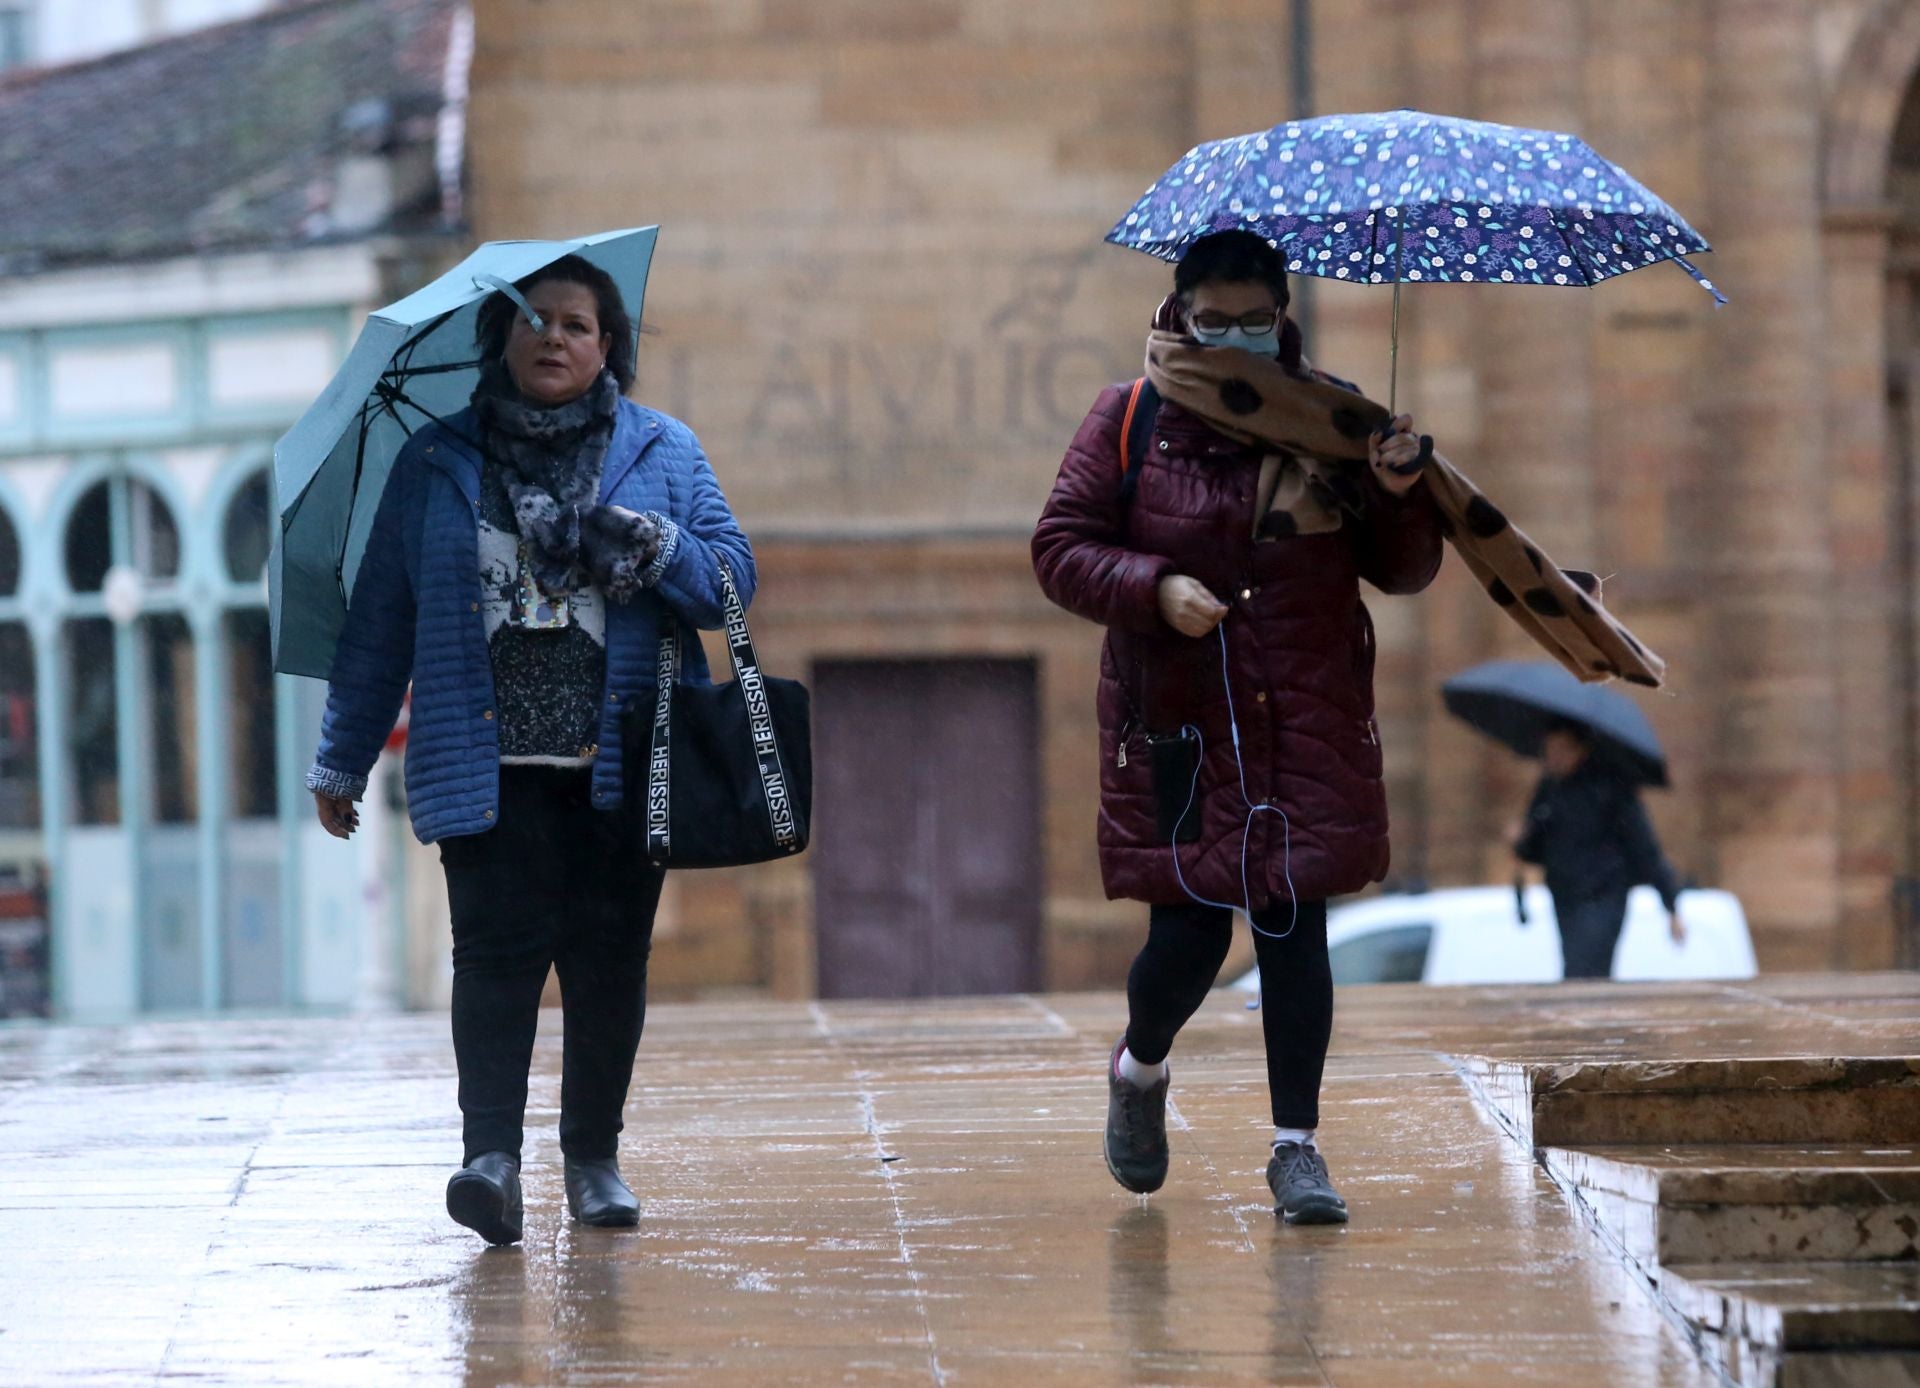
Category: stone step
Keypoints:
(1866, 1101)
(1760, 1202)
(1797, 1325)
(1772, 1205)
(1804, 1305)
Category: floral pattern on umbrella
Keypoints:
(1404, 196)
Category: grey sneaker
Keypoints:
(1136, 1143)
(1297, 1175)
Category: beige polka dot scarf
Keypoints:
(1318, 432)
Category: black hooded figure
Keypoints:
(1587, 828)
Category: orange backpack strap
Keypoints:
(1126, 422)
(1136, 432)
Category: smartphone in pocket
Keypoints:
(1176, 798)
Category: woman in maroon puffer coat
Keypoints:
(1192, 578)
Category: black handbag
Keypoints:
(728, 775)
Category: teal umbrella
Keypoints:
(414, 362)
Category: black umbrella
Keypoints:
(1516, 702)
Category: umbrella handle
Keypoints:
(1419, 463)
(498, 285)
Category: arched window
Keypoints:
(93, 719)
(121, 523)
(10, 564)
(19, 727)
(246, 535)
(123, 543)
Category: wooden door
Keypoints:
(927, 867)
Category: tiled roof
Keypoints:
(230, 137)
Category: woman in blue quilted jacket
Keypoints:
(527, 556)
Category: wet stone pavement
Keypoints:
(856, 1193)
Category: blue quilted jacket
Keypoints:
(415, 616)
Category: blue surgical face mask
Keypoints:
(1266, 344)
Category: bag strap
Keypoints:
(766, 743)
(660, 749)
(1136, 432)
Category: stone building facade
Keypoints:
(882, 299)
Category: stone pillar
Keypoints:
(1443, 826)
(1651, 329)
(1534, 351)
(1242, 67)
(1771, 784)
(1867, 614)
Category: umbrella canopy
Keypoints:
(414, 361)
(1516, 702)
(1404, 195)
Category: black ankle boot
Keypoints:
(597, 1195)
(484, 1195)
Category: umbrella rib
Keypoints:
(353, 496)
(425, 332)
(1374, 217)
(407, 373)
(1579, 256)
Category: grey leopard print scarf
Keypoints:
(551, 460)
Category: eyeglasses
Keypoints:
(1208, 323)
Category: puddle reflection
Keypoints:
(594, 1290)
(1140, 1291)
(1295, 1270)
(490, 1302)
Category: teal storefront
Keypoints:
(150, 761)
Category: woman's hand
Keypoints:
(337, 814)
(1188, 606)
(1396, 448)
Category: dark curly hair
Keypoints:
(1234, 257)
(497, 313)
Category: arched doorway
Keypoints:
(256, 951)
(131, 731)
(25, 953)
(19, 747)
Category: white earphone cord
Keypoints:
(1253, 811)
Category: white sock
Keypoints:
(1138, 1075)
(1303, 1136)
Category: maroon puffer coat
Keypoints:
(1299, 656)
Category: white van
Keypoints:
(1475, 935)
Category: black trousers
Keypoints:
(1186, 946)
(1589, 929)
(555, 884)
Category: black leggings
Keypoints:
(1589, 931)
(1186, 946)
(555, 884)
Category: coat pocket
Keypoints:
(1364, 656)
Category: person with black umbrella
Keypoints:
(1587, 828)
(1586, 825)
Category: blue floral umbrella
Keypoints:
(1396, 197)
